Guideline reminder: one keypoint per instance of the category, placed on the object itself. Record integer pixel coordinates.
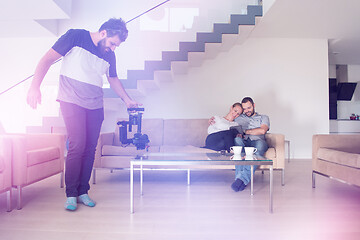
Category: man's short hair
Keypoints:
(115, 26)
(247, 99)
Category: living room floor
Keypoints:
(207, 209)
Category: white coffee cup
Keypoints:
(249, 151)
(236, 150)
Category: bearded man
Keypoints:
(87, 56)
(255, 126)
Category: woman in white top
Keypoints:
(221, 137)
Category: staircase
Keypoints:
(190, 54)
(138, 81)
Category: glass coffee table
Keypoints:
(195, 161)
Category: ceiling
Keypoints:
(335, 20)
(32, 18)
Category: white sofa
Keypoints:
(172, 135)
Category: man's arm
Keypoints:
(116, 85)
(258, 131)
(34, 94)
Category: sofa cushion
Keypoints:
(339, 157)
(110, 150)
(42, 155)
(182, 132)
(2, 164)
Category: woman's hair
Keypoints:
(237, 104)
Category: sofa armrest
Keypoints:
(104, 139)
(277, 141)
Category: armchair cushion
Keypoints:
(36, 156)
(42, 155)
(339, 157)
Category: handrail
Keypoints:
(1, 93)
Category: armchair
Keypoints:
(5, 169)
(36, 157)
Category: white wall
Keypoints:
(353, 73)
(287, 78)
(332, 71)
(19, 57)
(267, 5)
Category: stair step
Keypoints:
(174, 56)
(196, 59)
(180, 67)
(209, 37)
(242, 19)
(157, 65)
(53, 121)
(37, 129)
(254, 10)
(192, 46)
(163, 76)
(226, 28)
(128, 84)
(140, 75)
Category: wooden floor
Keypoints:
(207, 209)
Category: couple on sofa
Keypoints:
(223, 133)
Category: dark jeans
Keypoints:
(83, 130)
(222, 140)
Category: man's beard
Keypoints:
(249, 114)
(101, 46)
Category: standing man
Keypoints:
(87, 56)
(255, 127)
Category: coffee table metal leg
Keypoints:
(141, 179)
(131, 188)
(188, 176)
(271, 188)
(252, 180)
